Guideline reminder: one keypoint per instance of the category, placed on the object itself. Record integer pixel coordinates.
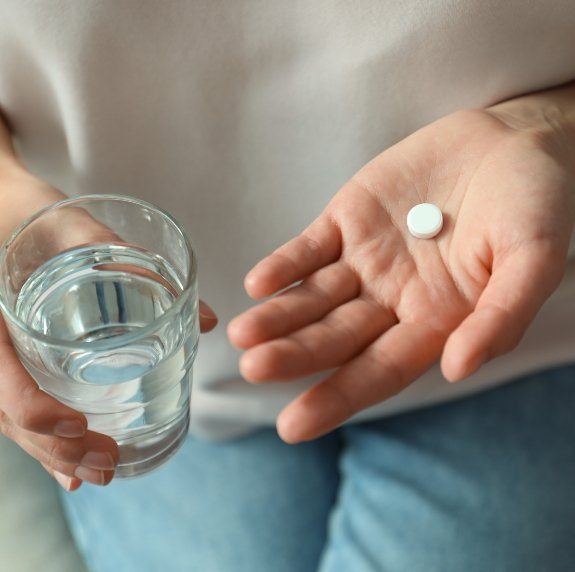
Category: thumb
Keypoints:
(520, 283)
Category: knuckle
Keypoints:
(52, 453)
(31, 412)
(282, 258)
(345, 331)
(59, 451)
(346, 404)
(311, 246)
(28, 419)
(511, 329)
(279, 313)
(393, 376)
(320, 294)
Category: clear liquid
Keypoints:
(133, 387)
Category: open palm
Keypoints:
(380, 306)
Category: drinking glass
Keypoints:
(99, 294)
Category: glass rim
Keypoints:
(123, 338)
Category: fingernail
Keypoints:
(208, 316)
(91, 475)
(206, 312)
(64, 480)
(97, 460)
(69, 428)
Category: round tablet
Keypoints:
(424, 220)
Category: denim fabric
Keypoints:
(483, 484)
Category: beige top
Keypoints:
(243, 118)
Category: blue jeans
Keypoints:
(484, 484)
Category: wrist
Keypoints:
(21, 195)
(548, 115)
(11, 168)
(9, 161)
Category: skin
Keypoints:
(52, 433)
(379, 307)
(374, 303)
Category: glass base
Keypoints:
(142, 454)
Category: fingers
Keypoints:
(332, 341)
(318, 246)
(28, 406)
(67, 483)
(393, 361)
(518, 287)
(208, 318)
(51, 432)
(91, 458)
(306, 303)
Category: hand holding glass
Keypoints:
(100, 298)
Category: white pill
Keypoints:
(424, 220)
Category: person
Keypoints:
(309, 130)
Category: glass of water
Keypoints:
(99, 295)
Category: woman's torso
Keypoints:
(244, 118)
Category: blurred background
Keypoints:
(34, 536)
